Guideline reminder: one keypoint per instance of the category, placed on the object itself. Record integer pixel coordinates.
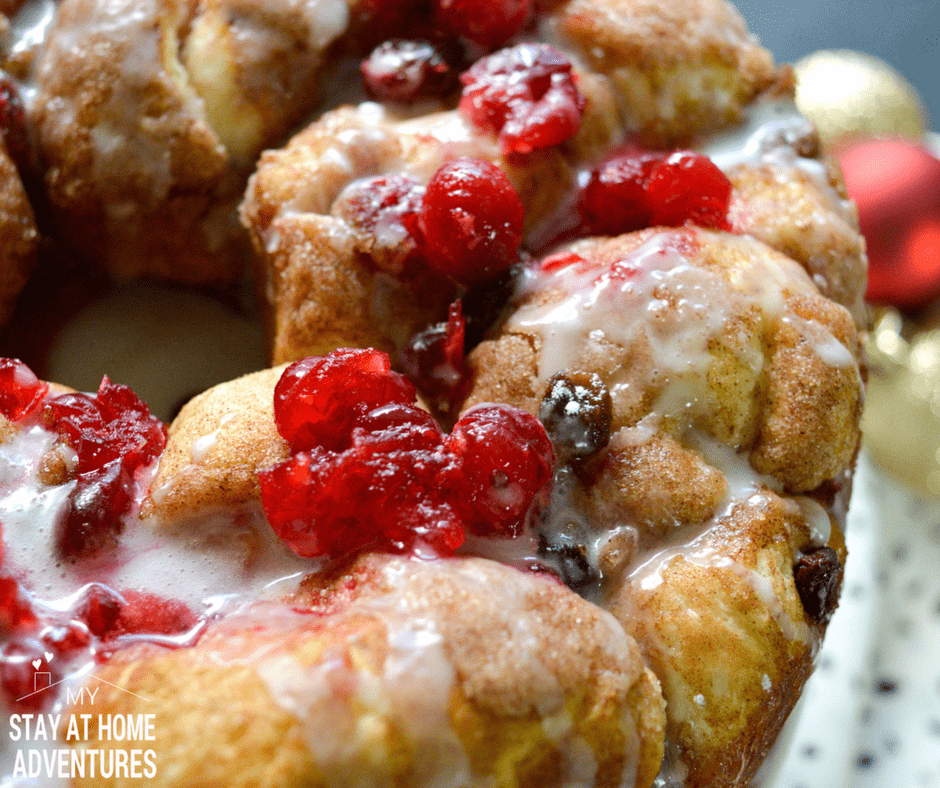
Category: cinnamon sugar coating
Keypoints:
(736, 389)
(403, 670)
(148, 112)
(322, 290)
(677, 68)
(215, 448)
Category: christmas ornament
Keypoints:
(849, 94)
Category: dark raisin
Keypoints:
(818, 576)
(483, 304)
(571, 562)
(577, 411)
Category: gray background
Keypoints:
(904, 33)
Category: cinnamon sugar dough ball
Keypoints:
(403, 672)
(321, 287)
(677, 69)
(736, 395)
(148, 114)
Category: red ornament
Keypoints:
(896, 185)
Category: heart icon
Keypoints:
(36, 664)
(48, 655)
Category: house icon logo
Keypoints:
(42, 682)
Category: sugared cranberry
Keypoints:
(19, 666)
(434, 360)
(93, 518)
(507, 460)
(526, 95)
(470, 222)
(99, 608)
(319, 400)
(21, 392)
(15, 611)
(380, 209)
(13, 123)
(406, 71)
(489, 24)
(615, 199)
(688, 187)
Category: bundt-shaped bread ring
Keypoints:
(603, 546)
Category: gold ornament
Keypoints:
(850, 94)
(901, 425)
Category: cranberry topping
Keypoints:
(614, 200)
(99, 609)
(560, 260)
(406, 71)
(378, 208)
(469, 226)
(13, 123)
(487, 23)
(640, 189)
(526, 95)
(113, 434)
(21, 392)
(507, 460)
(16, 613)
(319, 400)
(144, 613)
(688, 187)
(434, 359)
(389, 477)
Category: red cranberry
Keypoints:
(380, 209)
(507, 460)
(688, 187)
(615, 200)
(434, 359)
(21, 392)
(18, 677)
(66, 638)
(470, 221)
(406, 71)
(526, 95)
(99, 608)
(114, 424)
(94, 516)
(397, 427)
(318, 401)
(16, 613)
(489, 24)
(13, 123)
(144, 613)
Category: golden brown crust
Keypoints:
(148, 113)
(678, 68)
(725, 631)
(530, 673)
